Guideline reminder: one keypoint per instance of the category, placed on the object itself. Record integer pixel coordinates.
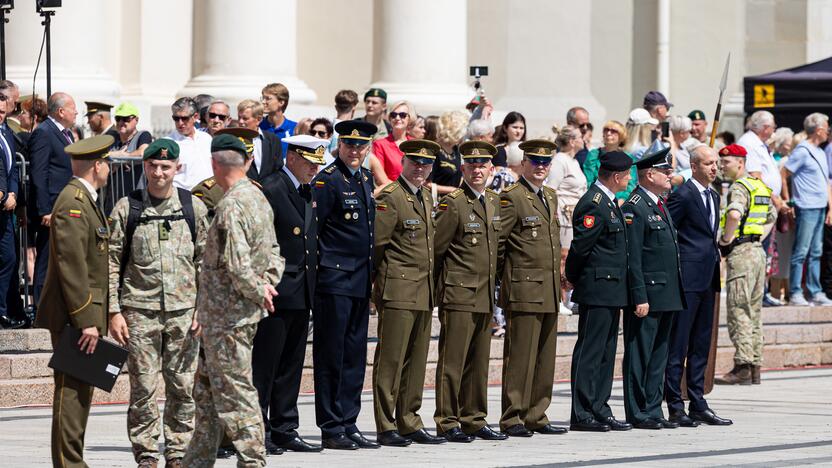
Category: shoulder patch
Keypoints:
(319, 183)
(210, 183)
(391, 187)
(628, 218)
(511, 187)
(456, 193)
(74, 213)
(381, 206)
(596, 198)
(442, 207)
(504, 202)
(634, 199)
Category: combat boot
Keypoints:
(739, 375)
(755, 375)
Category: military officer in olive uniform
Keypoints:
(346, 216)
(655, 281)
(280, 342)
(403, 295)
(75, 292)
(597, 267)
(529, 293)
(467, 249)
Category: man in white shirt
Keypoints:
(759, 161)
(194, 146)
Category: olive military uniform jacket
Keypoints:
(655, 275)
(467, 247)
(531, 273)
(404, 249)
(597, 261)
(75, 291)
(210, 193)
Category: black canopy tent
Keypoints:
(791, 94)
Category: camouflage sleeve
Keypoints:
(738, 199)
(771, 216)
(233, 224)
(201, 215)
(118, 221)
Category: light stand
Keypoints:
(47, 30)
(5, 6)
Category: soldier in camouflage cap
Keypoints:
(239, 272)
(153, 266)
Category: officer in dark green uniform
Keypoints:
(467, 249)
(655, 281)
(597, 267)
(403, 295)
(76, 290)
(529, 294)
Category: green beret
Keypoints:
(696, 115)
(376, 92)
(225, 142)
(163, 149)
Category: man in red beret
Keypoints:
(748, 218)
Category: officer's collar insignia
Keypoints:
(635, 199)
(597, 198)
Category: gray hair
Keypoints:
(514, 155)
(699, 151)
(228, 158)
(680, 123)
(479, 128)
(565, 135)
(782, 135)
(220, 102)
(572, 114)
(184, 104)
(813, 121)
(56, 102)
(760, 119)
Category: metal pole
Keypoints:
(3, 43)
(47, 22)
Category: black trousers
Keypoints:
(340, 358)
(277, 367)
(8, 261)
(690, 343)
(645, 357)
(826, 261)
(593, 362)
(41, 259)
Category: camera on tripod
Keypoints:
(41, 5)
(478, 71)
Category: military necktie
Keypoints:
(542, 198)
(661, 205)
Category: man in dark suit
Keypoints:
(346, 220)
(693, 208)
(8, 202)
(656, 290)
(268, 150)
(280, 342)
(50, 170)
(597, 261)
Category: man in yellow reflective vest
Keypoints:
(747, 219)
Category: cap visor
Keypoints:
(420, 159)
(475, 160)
(355, 141)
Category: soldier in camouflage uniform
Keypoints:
(747, 219)
(152, 299)
(239, 270)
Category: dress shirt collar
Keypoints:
(534, 187)
(652, 195)
(61, 128)
(476, 193)
(292, 177)
(606, 191)
(413, 189)
(90, 188)
(699, 187)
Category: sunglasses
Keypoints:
(540, 163)
(318, 133)
(212, 115)
(181, 118)
(611, 130)
(120, 119)
(401, 115)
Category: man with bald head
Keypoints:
(50, 171)
(694, 209)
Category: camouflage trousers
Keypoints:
(744, 285)
(160, 342)
(226, 399)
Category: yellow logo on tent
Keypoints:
(764, 95)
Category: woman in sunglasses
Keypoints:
(386, 150)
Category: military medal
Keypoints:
(296, 231)
(355, 215)
(347, 216)
(471, 216)
(474, 240)
(534, 233)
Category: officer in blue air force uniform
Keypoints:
(346, 215)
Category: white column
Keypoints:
(84, 56)
(239, 46)
(420, 52)
(663, 47)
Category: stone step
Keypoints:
(21, 341)
(39, 391)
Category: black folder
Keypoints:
(99, 369)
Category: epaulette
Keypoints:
(256, 184)
(79, 194)
(391, 187)
(210, 183)
(634, 199)
(511, 187)
(456, 193)
(329, 169)
(493, 192)
(597, 198)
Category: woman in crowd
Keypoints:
(321, 128)
(446, 175)
(680, 130)
(781, 144)
(569, 182)
(432, 128)
(513, 129)
(416, 129)
(302, 128)
(480, 130)
(386, 149)
(640, 126)
(614, 137)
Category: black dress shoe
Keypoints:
(617, 425)
(667, 424)
(299, 445)
(423, 437)
(392, 439)
(362, 441)
(683, 420)
(590, 425)
(10, 323)
(486, 433)
(708, 417)
(647, 424)
(225, 452)
(550, 429)
(339, 442)
(518, 430)
(456, 435)
(272, 448)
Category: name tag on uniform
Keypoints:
(531, 220)
(102, 231)
(495, 218)
(412, 222)
(351, 201)
(473, 225)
